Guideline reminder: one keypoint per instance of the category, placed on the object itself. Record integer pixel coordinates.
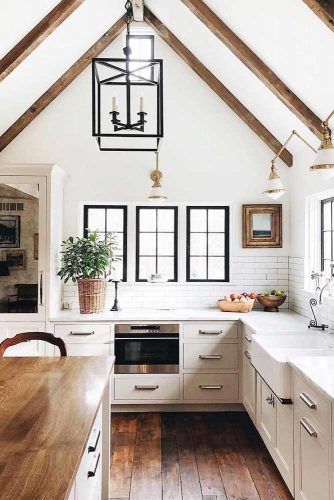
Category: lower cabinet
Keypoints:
(223, 387)
(31, 348)
(86, 339)
(275, 425)
(145, 387)
(249, 386)
(312, 460)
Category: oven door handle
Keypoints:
(146, 338)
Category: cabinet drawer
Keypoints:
(313, 407)
(90, 471)
(210, 356)
(143, 387)
(88, 349)
(83, 333)
(219, 331)
(211, 387)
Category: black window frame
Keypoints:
(125, 230)
(323, 231)
(144, 37)
(176, 239)
(227, 243)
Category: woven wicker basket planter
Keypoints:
(92, 295)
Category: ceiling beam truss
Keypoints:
(324, 9)
(255, 64)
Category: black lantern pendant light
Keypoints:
(127, 100)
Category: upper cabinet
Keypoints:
(30, 238)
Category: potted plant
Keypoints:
(85, 261)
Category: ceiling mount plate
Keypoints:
(138, 10)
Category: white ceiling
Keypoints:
(287, 35)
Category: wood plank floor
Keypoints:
(191, 456)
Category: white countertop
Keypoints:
(318, 370)
(258, 321)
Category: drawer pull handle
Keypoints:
(210, 332)
(82, 334)
(308, 427)
(146, 387)
(248, 339)
(270, 400)
(203, 387)
(308, 401)
(247, 354)
(91, 473)
(92, 447)
(210, 356)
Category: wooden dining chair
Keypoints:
(26, 336)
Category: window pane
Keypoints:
(166, 266)
(217, 244)
(216, 220)
(327, 216)
(96, 219)
(198, 268)
(327, 244)
(146, 267)
(119, 239)
(147, 219)
(198, 220)
(147, 244)
(166, 220)
(216, 268)
(114, 219)
(166, 244)
(198, 244)
(118, 272)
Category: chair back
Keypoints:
(26, 336)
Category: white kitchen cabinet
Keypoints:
(249, 386)
(275, 425)
(31, 348)
(86, 339)
(312, 460)
(210, 356)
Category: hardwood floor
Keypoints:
(191, 456)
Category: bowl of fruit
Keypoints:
(237, 302)
(272, 300)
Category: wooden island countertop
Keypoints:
(47, 410)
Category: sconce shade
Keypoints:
(275, 188)
(157, 195)
(324, 162)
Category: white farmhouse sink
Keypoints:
(271, 354)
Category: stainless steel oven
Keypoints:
(147, 348)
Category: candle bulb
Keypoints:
(114, 104)
(141, 104)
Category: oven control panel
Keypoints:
(147, 329)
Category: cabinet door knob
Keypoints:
(308, 427)
(92, 471)
(247, 354)
(146, 387)
(210, 387)
(210, 332)
(82, 334)
(210, 356)
(308, 401)
(270, 400)
(248, 338)
(92, 447)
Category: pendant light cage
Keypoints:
(127, 100)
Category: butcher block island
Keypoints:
(54, 428)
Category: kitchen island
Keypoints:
(54, 428)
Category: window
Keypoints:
(142, 47)
(327, 233)
(207, 244)
(156, 242)
(109, 219)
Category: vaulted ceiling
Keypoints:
(268, 60)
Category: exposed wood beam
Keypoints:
(217, 86)
(36, 36)
(323, 9)
(255, 64)
(82, 63)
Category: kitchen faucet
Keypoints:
(328, 281)
(313, 302)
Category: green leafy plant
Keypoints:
(88, 258)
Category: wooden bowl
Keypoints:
(230, 306)
(271, 303)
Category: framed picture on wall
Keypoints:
(262, 226)
(9, 231)
(16, 259)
